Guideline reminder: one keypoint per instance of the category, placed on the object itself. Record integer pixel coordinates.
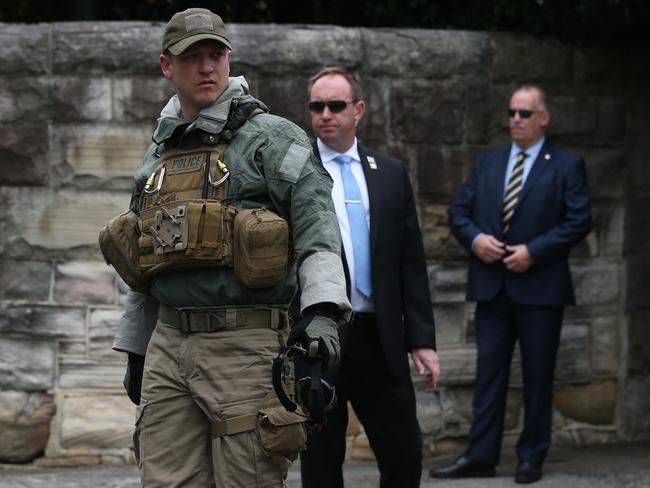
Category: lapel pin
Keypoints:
(372, 163)
(547, 156)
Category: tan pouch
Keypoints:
(261, 247)
(118, 241)
(281, 432)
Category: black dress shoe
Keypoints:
(463, 468)
(528, 473)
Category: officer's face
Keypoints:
(526, 131)
(336, 129)
(200, 74)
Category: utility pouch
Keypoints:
(184, 235)
(281, 432)
(261, 247)
(118, 241)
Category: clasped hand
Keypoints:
(490, 250)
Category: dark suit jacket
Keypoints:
(553, 214)
(399, 276)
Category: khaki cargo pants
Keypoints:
(190, 381)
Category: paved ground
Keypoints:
(600, 466)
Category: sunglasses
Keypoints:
(335, 106)
(524, 114)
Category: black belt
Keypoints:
(200, 319)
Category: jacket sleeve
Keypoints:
(460, 211)
(416, 297)
(301, 188)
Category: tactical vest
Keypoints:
(184, 223)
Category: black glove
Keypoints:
(133, 377)
(318, 326)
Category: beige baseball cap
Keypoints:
(190, 26)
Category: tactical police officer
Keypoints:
(229, 202)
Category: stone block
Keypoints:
(450, 323)
(637, 225)
(458, 366)
(638, 271)
(573, 361)
(605, 346)
(637, 120)
(25, 424)
(26, 364)
(430, 413)
(80, 99)
(602, 63)
(23, 154)
(553, 60)
(596, 283)
(101, 151)
(431, 54)
(84, 282)
(44, 321)
(140, 98)
(447, 282)
(56, 98)
(375, 124)
(593, 404)
(637, 149)
(102, 329)
(294, 50)
(81, 47)
(286, 96)
(25, 280)
(605, 172)
(635, 417)
(95, 422)
(86, 373)
(574, 116)
(608, 223)
(486, 113)
(638, 355)
(24, 49)
(437, 239)
(72, 348)
(442, 170)
(417, 108)
(611, 119)
(61, 220)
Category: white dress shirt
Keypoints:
(327, 155)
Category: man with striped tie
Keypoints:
(523, 208)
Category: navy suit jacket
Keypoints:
(552, 216)
(399, 276)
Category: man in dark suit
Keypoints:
(521, 211)
(387, 282)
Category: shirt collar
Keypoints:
(327, 154)
(532, 151)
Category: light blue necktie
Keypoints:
(358, 227)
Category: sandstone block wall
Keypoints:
(77, 108)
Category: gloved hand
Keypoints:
(133, 377)
(318, 325)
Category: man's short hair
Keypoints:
(543, 100)
(337, 70)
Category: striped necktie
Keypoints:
(513, 189)
(359, 233)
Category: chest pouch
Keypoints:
(261, 247)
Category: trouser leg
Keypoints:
(385, 405)
(539, 331)
(495, 339)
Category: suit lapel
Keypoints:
(499, 177)
(373, 184)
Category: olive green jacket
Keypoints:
(271, 165)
